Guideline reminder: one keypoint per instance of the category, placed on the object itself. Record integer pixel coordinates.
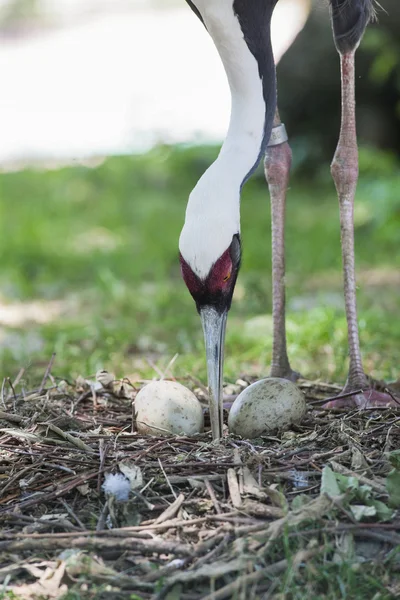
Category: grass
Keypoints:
(89, 270)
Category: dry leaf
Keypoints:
(133, 473)
(48, 587)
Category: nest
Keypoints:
(202, 520)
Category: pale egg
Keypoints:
(265, 406)
(165, 408)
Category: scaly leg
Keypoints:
(278, 158)
(344, 171)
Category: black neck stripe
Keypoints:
(195, 10)
(255, 22)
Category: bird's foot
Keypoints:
(287, 373)
(363, 399)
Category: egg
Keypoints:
(265, 406)
(165, 408)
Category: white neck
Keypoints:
(213, 211)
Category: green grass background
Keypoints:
(100, 245)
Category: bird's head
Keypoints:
(210, 260)
(213, 289)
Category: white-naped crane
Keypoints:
(210, 249)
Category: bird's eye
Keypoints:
(227, 276)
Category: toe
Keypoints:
(364, 400)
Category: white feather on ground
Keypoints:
(118, 486)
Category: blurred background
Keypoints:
(110, 110)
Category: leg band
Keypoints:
(278, 136)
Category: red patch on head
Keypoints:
(221, 273)
(218, 280)
(193, 282)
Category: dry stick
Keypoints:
(187, 464)
(70, 438)
(154, 366)
(233, 488)
(72, 513)
(15, 478)
(46, 497)
(144, 452)
(127, 531)
(221, 542)
(102, 518)
(103, 451)
(339, 397)
(228, 591)
(3, 385)
(47, 373)
(171, 511)
(97, 544)
(161, 572)
(356, 529)
(19, 377)
(393, 397)
(10, 417)
(167, 480)
(260, 527)
(10, 383)
(59, 467)
(213, 497)
(168, 367)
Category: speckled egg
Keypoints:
(165, 408)
(265, 406)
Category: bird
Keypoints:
(210, 241)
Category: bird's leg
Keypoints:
(278, 158)
(344, 171)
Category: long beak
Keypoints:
(214, 324)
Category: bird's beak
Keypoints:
(214, 324)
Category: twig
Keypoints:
(211, 492)
(158, 574)
(72, 513)
(148, 450)
(19, 377)
(97, 544)
(166, 479)
(14, 478)
(242, 582)
(339, 397)
(10, 417)
(233, 488)
(3, 385)
(393, 397)
(129, 531)
(46, 373)
(103, 451)
(59, 467)
(102, 518)
(10, 383)
(47, 497)
(70, 438)
(358, 529)
(154, 366)
(171, 511)
(169, 365)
